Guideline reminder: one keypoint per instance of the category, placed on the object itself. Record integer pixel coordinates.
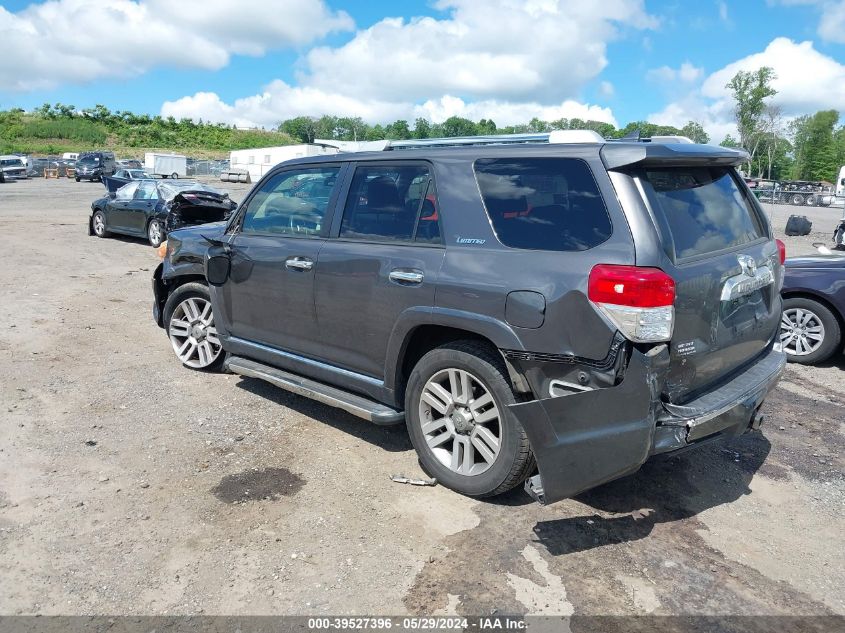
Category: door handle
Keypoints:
(299, 263)
(406, 276)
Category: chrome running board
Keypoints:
(334, 397)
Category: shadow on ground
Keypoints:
(662, 491)
(390, 438)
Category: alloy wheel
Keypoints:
(460, 421)
(155, 232)
(192, 333)
(99, 224)
(801, 331)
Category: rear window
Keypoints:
(701, 210)
(543, 203)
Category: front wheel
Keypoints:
(98, 224)
(77, 179)
(155, 233)
(189, 320)
(809, 331)
(456, 412)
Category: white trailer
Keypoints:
(249, 165)
(166, 165)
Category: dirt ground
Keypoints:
(129, 485)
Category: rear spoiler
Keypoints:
(619, 155)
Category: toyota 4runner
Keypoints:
(553, 312)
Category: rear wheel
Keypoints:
(810, 201)
(77, 179)
(174, 175)
(798, 199)
(155, 233)
(456, 412)
(189, 320)
(809, 331)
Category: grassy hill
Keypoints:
(52, 131)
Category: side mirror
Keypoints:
(217, 269)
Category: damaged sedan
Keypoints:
(151, 209)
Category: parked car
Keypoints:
(518, 306)
(12, 167)
(124, 176)
(130, 163)
(151, 209)
(94, 165)
(813, 308)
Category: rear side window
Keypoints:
(392, 203)
(701, 209)
(543, 203)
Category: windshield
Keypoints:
(11, 162)
(700, 209)
(89, 160)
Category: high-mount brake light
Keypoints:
(638, 300)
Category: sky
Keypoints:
(255, 64)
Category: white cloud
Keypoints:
(723, 11)
(503, 49)
(74, 41)
(807, 81)
(687, 73)
(507, 113)
(831, 26)
(280, 101)
(606, 89)
(509, 60)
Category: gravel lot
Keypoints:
(129, 485)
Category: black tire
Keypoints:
(798, 199)
(94, 223)
(515, 460)
(155, 239)
(174, 175)
(182, 293)
(77, 179)
(832, 337)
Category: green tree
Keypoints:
(398, 130)
(817, 156)
(458, 126)
(301, 128)
(750, 89)
(694, 131)
(422, 128)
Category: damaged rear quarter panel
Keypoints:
(586, 439)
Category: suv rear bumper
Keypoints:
(586, 439)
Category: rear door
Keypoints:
(726, 269)
(269, 296)
(384, 259)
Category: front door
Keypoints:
(117, 209)
(269, 296)
(142, 206)
(384, 260)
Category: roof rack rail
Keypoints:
(555, 136)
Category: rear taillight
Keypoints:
(781, 251)
(639, 301)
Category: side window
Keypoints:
(292, 203)
(146, 191)
(391, 203)
(126, 192)
(543, 203)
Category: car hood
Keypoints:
(214, 230)
(818, 261)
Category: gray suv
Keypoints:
(552, 312)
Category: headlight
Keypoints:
(162, 250)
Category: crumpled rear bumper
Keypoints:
(586, 439)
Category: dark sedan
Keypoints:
(124, 176)
(813, 308)
(151, 209)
